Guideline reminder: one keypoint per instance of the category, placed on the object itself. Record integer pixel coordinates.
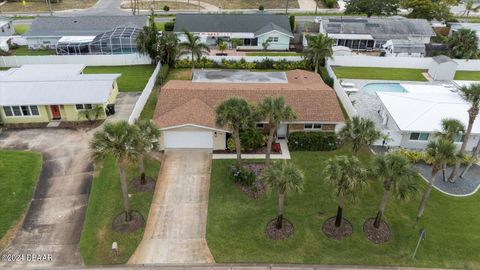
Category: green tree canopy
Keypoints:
(463, 44)
(373, 7)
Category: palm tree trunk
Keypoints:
(141, 165)
(423, 203)
(49, 4)
(355, 149)
(238, 146)
(269, 144)
(454, 175)
(444, 172)
(281, 207)
(475, 154)
(339, 218)
(286, 8)
(316, 6)
(123, 185)
(381, 209)
(193, 64)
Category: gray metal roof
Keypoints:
(81, 26)
(407, 46)
(233, 23)
(381, 28)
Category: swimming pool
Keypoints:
(371, 88)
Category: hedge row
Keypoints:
(243, 64)
(312, 141)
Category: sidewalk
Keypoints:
(284, 155)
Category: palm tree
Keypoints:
(470, 94)
(469, 7)
(282, 176)
(194, 47)
(439, 152)
(348, 176)
(222, 46)
(451, 128)
(398, 177)
(147, 141)
(319, 47)
(359, 131)
(167, 48)
(147, 40)
(117, 140)
(235, 114)
(463, 44)
(275, 111)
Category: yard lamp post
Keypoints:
(421, 236)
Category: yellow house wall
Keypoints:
(42, 118)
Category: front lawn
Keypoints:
(39, 6)
(374, 73)
(23, 50)
(104, 205)
(236, 224)
(19, 172)
(133, 79)
(273, 54)
(467, 75)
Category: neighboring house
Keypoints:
(371, 33)
(86, 35)
(411, 117)
(404, 47)
(472, 26)
(185, 110)
(6, 27)
(42, 93)
(442, 68)
(251, 30)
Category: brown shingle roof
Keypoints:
(186, 102)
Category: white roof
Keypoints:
(76, 39)
(53, 85)
(350, 36)
(423, 107)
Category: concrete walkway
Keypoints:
(284, 155)
(176, 225)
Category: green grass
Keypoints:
(374, 73)
(21, 28)
(133, 79)
(23, 50)
(160, 26)
(104, 205)
(467, 75)
(236, 224)
(273, 54)
(19, 174)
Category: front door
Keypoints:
(282, 131)
(55, 112)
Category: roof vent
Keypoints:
(75, 21)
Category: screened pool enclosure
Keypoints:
(121, 40)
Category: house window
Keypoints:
(416, 136)
(273, 39)
(80, 107)
(8, 111)
(312, 126)
(260, 125)
(20, 110)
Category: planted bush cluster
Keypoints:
(243, 64)
(417, 156)
(243, 175)
(312, 141)
(329, 3)
(162, 74)
(251, 139)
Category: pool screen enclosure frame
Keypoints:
(121, 40)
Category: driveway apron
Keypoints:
(176, 225)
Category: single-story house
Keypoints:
(472, 26)
(251, 30)
(411, 117)
(6, 27)
(86, 34)
(404, 47)
(371, 33)
(442, 68)
(42, 93)
(185, 110)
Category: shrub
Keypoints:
(166, 8)
(411, 155)
(266, 63)
(243, 175)
(162, 74)
(329, 3)
(252, 139)
(261, 8)
(231, 144)
(169, 26)
(243, 64)
(312, 141)
(291, 19)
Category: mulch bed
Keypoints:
(148, 186)
(81, 124)
(338, 233)
(258, 188)
(274, 234)
(377, 236)
(119, 224)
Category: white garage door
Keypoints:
(188, 139)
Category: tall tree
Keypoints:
(470, 94)
(319, 48)
(117, 140)
(439, 152)
(469, 7)
(359, 131)
(463, 44)
(373, 7)
(451, 128)
(147, 40)
(194, 47)
(167, 48)
(282, 177)
(398, 177)
(348, 177)
(147, 141)
(275, 111)
(428, 9)
(236, 114)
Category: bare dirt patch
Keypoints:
(331, 231)
(137, 222)
(275, 234)
(148, 186)
(377, 236)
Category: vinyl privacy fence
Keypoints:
(89, 60)
(142, 100)
(341, 94)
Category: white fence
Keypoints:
(250, 59)
(398, 62)
(341, 94)
(142, 100)
(89, 60)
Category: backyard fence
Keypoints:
(341, 94)
(142, 100)
(89, 60)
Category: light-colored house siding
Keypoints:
(42, 118)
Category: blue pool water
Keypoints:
(371, 88)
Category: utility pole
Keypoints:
(316, 6)
(198, 6)
(49, 4)
(286, 8)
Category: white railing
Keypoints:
(342, 95)
(142, 100)
(89, 60)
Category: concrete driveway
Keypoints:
(124, 105)
(176, 225)
(54, 220)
